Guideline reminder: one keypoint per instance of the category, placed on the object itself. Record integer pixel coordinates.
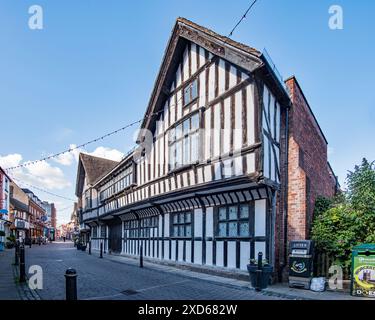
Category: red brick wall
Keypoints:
(308, 172)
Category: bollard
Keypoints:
(71, 284)
(90, 247)
(141, 257)
(101, 250)
(30, 243)
(259, 272)
(22, 264)
(16, 253)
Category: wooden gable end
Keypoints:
(227, 109)
(187, 32)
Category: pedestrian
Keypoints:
(64, 239)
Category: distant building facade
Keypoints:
(4, 207)
(50, 221)
(20, 215)
(37, 216)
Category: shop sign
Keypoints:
(363, 277)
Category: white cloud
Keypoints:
(11, 160)
(108, 153)
(68, 158)
(40, 174)
(47, 176)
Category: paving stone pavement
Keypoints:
(10, 288)
(116, 278)
(8, 285)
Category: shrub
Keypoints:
(348, 219)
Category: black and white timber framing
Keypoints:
(218, 209)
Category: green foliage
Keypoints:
(322, 204)
(361, 187)
(348, 219)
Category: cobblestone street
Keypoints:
(115, 280)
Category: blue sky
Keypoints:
(92, 68)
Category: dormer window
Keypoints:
(190, 92)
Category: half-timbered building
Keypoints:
(205, 186)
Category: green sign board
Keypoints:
(363, 271)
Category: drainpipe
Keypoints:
(285, 262)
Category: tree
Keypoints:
(343, 222)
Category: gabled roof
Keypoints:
(229, 41)
(92, 168)
(184, 30)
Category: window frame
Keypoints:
(118, 183)
(133, 227)
(190, 87)
(174, 139)
(88, 199)
(183, 224)
(249, 219)
(95, 232)
(145, 226)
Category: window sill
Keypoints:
(182, 168)
(181, 238)
(233, 238)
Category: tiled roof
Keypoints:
(96, 167)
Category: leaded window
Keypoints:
(103, 231)
(87, 199)
(181, 224)
(118, 183)
(190, 92)
(233, 221)
(184, 143)
(132, 228)
(147, 225)
(95, 232)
